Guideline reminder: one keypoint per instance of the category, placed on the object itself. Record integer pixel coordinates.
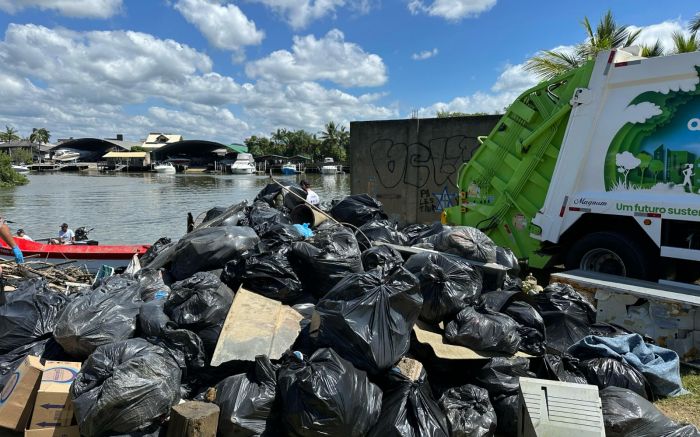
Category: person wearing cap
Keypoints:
(65, 235)
(22, 234)
(6, 236)
(311, 195)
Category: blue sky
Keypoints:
(225, 70)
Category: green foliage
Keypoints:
(655, 167)
(10, 134)
(333, 142)
(137, 149)
(681, 44)
(40, 136)
(645, 159)
(694, 24)
(607, 35)
(652, 51)
(9, 177)
(21, 156)
(448, 114)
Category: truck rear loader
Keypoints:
(597, 169)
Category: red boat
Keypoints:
(95, 254)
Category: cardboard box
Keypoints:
(17, 397)
(64, 431)
(53, 406)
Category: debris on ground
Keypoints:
(350, 325)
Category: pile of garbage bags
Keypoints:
(146, 340)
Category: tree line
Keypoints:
(39, 136)
(332, 142)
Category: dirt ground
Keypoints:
(684, 409)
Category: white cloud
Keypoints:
(70, 8)
(299, 13)
(224, 26)
(328, 58)
(659, 32)
(425, 54)
(96, 84)
(453, 10)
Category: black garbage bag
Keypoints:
(483, 330)
(326, 258)
(210, 248)
(358, 209)
(531, 325)
(155, 249)
(274, 195)
(278, 235)
(184, 345)
(98, 317)
(262, 216)
(625, 413)
(151, 285)
(448, 284)
(563, 368)
(379, 230)
(465, 241)
(469, 411)
(124, 387)
(409, 409)
(383, 257)
(28, 314)
(567, 315)
(500, 377)
(416, 232)
(326, 395)
(246, 400)
(271, 275)
(200, 304)
(506, 258)
(368, 317)
(607, 372)
(213, 213)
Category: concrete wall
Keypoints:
(411, 165)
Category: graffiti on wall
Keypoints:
(417, 164)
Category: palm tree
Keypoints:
(607, 35)
(694, 24)
(10, 134)
(681, 44)
(651, 51)
(40, 136)
(335, 141)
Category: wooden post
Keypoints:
(193, 419)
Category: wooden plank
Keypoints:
(256, 325)
(193, 419)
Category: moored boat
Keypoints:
(65, 155)
(329, 167)
(289, 168)
(82, 253)
(165, 167)
(244, 164)
(20, 169)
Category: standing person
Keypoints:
(311, 195)
(65, 235)
(6, 236)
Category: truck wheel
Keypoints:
(611, 253)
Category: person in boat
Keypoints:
(65, 235)
(6, 236)
(22, 234)
(311, 195)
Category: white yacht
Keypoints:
(165, 167)
(330, 167)
(23, 169)
(244, 164)
(65, 155)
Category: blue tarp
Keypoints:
(660, 366)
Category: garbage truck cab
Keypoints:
(597, 169)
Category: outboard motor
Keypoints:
(81, 235)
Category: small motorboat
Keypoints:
(289, 169)
(244, 164)
(329, 167)
(93, 255)
(23, 169)
(165, 167)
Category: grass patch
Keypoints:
(684, 409)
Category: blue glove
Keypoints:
(19, 258)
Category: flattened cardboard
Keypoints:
(64, 431)
(256, 325)
(53, 406)
(17, 397)
(434, 338)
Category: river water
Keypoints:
(136, 208)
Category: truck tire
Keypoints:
(610, 252)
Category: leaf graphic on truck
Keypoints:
(662, 153)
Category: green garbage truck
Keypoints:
(597, 169)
